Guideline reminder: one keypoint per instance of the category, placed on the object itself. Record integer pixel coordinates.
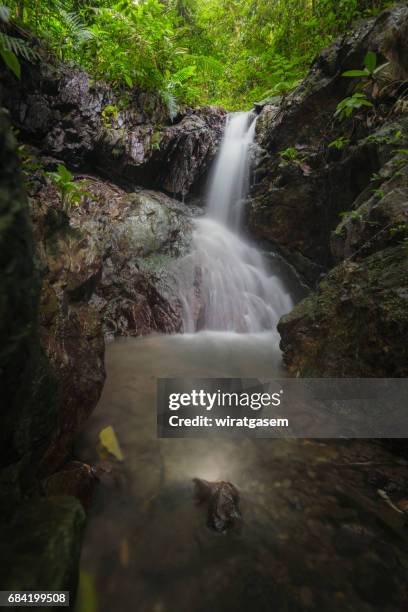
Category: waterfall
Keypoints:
(230, 180)
(225, 283)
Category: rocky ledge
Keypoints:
(127, 139)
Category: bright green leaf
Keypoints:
(370, 61)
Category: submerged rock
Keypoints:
(222, 500)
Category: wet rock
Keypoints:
(222, 500)
(189, 148)
(355, 324)
(74, 345)
(138, 235)
(84, 123)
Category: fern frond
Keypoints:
(75, 27)
(171, 103)
(4, 13)
(182, 75)
(209, 65)
(19, 47)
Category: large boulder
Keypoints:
(139, 235)
(356, 324)
(29, 394)
(342, 208)
(105, 268)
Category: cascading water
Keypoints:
(225, 283)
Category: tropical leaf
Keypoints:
(370, 61)
(356, 73)
(11, 61)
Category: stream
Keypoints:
(316, 534)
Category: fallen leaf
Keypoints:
(110, 443)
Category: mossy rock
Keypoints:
(356, 324)
(42, 546)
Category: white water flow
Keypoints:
(225, 283)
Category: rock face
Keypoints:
(300, 194)
(85, 124)
(138, 235)
(332, 195)
(40, 539)
(29, 402)
(105, 271)
(70, 328)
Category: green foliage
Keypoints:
(109, 115)
(353, 216)
(12, 47)
(289, 154)
(70, 192)
(370, 70)
(379, 193)
(230, 52)
(339, 143)
(349, 105)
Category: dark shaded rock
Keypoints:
(43, 546)
(356, 324)
(74, 344)
(189, 148)
(69, 116)
(297, 213)
(378, 221)
(28, 389)
(296, 203)
(40, 539)
(76, 479)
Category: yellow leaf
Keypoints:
(109, 441)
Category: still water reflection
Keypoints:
(316, 535)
